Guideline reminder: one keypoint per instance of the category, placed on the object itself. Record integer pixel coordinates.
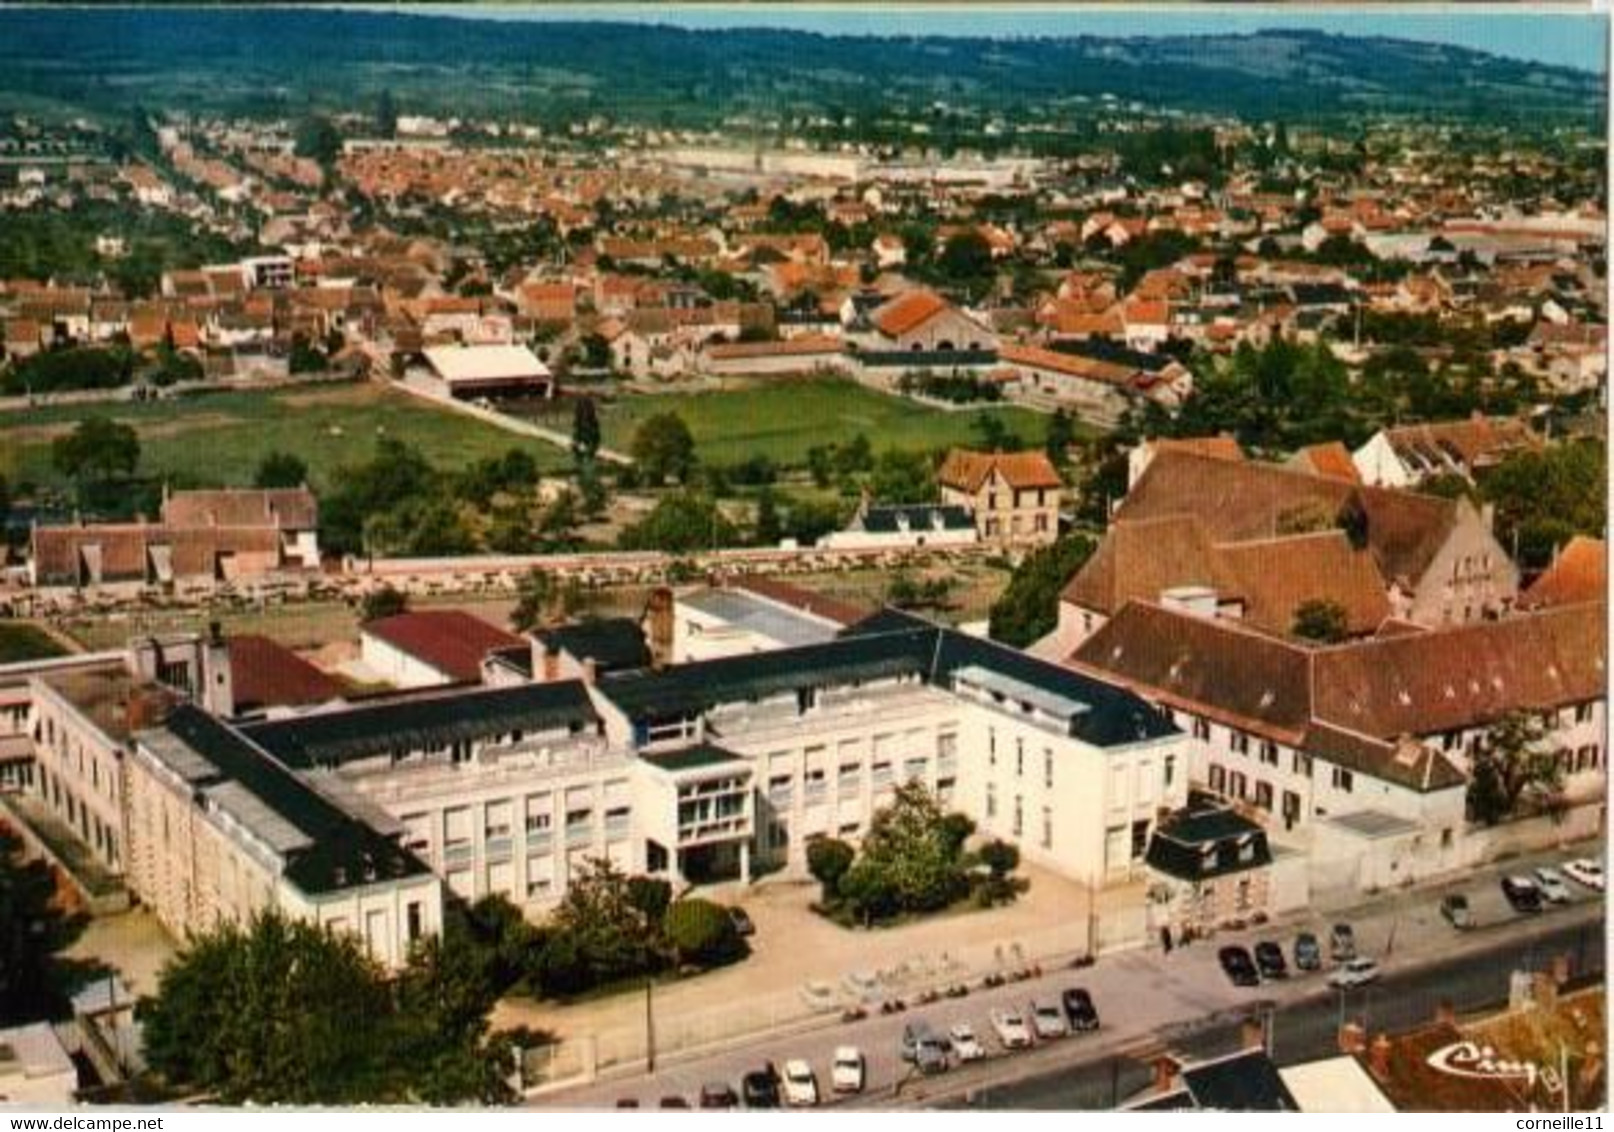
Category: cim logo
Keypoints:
(1470, 1059)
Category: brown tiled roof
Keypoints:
(1578, 574)
(907, 312)
(1476, 441)
(273, 508)
(1332, 459)
(1403, 760)
(1277, 576)
(1074, 365)
(1221, 447)
(265, 674)
(449, 640)
(806, 344)
(1140, 559)
(1235, 675)
(1241, 502)
(798, 597)
(1464, 676)
(1022, 471)
(118, 551)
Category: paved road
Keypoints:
(1303, 1031)
(1144, 995)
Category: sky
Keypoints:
(1563, 37)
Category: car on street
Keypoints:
(1355, 973)
(1308, 952)
(1523, 894)
(674, 1101)
(1048, 1020)
(848, 1071)
(1554, 889)
(627, 1102)
(965, 1043)
(760, 1088)
(1012, 1031)
(1342, 943)
(718, 1094)
(914, 1034)
(1269, 960)
(741, 921)
(1239, 967)
(1454, 908)
(800, 1084)
(1079, 1009)
(930, 1056)
(1584, 870)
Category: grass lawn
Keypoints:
(783, 419)
(219, 438)
(22, 641)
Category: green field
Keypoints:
(219, 438)
(783, 419)
(22, 641)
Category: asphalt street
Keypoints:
(1149, 1001)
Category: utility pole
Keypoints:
(649, 1025)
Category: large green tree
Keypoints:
(663, 448)
(1029, 606)
(34, 931)
(680, 523)
(98, 451)
(1545, 497)
(280, 469)
(1512, 768)
(585, 429)
(905, 858)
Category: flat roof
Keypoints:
(1373, 824)
(759, 615)
(694, 758)
(485, 363)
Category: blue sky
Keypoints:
(1569, 38)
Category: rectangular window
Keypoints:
(1170, 770)
(1140, 839)
(1343, 780)
(991, 801)
(1583, 713)
(1019, 817)
(1019, 757)
(991, 746)
(1047, 828)
(1238, 742)
(1201, 728)
(416, 925)
(1048, 767)
(1263, 795)
(1218, 778)
(1302, 764)
(1269, 752)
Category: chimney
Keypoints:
(1378, 1057)
(1166, 1072)
(1352, 1038)
(1252, 1034)
(1446, 1012)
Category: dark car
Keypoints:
(627, 1102)
(1240, 968)
(1523, 893)
(760, 1088)
(1079, 1009)
(674, 1102)
(1269, 959)
(1454, 906)
(1308, 952)
(742, 922)
(718, 1095)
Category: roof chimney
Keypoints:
(1378, 1057)
(1166, 1073)
(1352, 1038)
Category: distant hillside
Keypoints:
(285, 60)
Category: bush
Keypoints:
(702, 932)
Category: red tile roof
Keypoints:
(449, 640)
(266, 674)
(908, 312)
(1578, 574)
(968, 470)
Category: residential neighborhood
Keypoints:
(806, 595)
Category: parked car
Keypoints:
(1048, 1020)
(627, 1102)
(930, 1056)
(1011, 1029)
(741, 921)
(718, 1095)
(760, 1087)
(800, 1084)
(1355, 973)
(965, 1043)
(1554, 889)
(914, 1034)
(1342, 943)
(1269, 960)
(1308, 952)
(1239, 967)
(1584, 870)
(1454, 906)
(848, 1071)
(674, 1101)
(1523, 894)
(1079, 1009)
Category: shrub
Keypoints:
(702, 932)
